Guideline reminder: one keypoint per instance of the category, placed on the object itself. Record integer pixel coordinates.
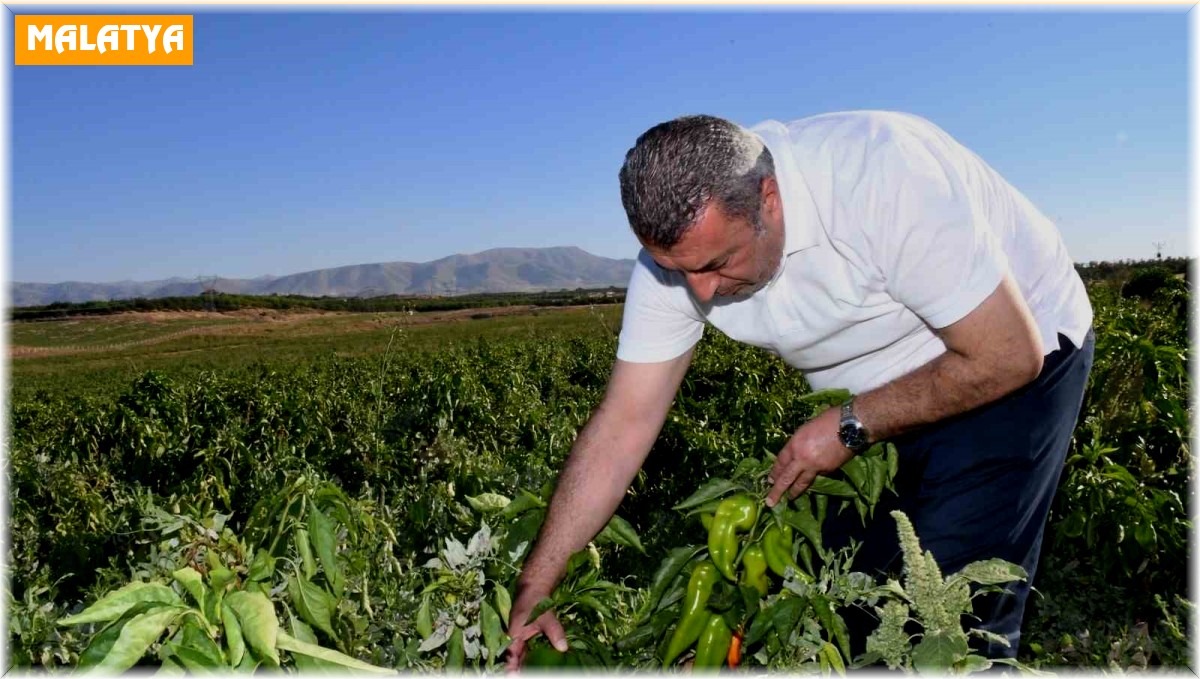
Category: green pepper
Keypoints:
(695, 615)
(734, 514)
(713, 646)
(754, 569)
(777, 544)
(706, 520)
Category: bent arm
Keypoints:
(992, 351)
(607, 454)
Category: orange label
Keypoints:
(103, 39)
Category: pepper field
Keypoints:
(378, 486)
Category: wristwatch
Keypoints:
(851, 431)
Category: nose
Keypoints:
(704, 285)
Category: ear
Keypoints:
(771, 202)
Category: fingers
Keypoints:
(803, 481)
(782, 476)
(515, 655)
(554, 632)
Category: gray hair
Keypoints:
(675, 168)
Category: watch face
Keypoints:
(852, 435)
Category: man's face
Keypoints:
(723, 256)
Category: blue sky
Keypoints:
(306, 140)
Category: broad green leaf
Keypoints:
(195, 638)
(712, 490)
(486, 503)
(295, 646)
(313, 604)
(135, 638)
(112, 605)
(974, 663)
(262, 567)
(834, 658)
(424, 618)
(324, 540)
(824, 485)
(619, 531)
(663, 577)
(503, 603)
(992, 572)
(939, 651)
(220, 577)
(234, 642)
(492, 629)
(304, 663)
(196, 662)
(256, 616)
(456, 654)
(522, 503)
(856, 470)
(102, 642)
(782, 615)
(193, 582)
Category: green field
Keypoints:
(316, 465)
(222, 342)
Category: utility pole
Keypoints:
(1158, 246)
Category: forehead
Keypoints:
(714, 235)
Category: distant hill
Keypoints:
(498, 270)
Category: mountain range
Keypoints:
(497, 270)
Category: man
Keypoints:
(874, 253)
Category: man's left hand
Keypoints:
(814, 449)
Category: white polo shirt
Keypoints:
(891, 228)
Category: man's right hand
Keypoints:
(521, 633)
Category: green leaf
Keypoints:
(992, 572)
(855, 469)
(112, 605)
(781, 615)
(135, 638)
(307, 664)
(521, 504)
(486, 503)
(234, 642)
(193, 582)
(313, 603)
(424, 618)
(324, 540)
(490, 626)
(503, 602)
(974, 663)
(196, 639)
(102, 642)
(262, 567)
(712, 490)
(295, 646)
(823, 485)
(619, 531)
(259, 626)
(197, 662)
(663, 577)
(940, 651)
(455, 652)
(220, 577)
(834, 658)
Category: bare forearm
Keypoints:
(605, 458)
(948, 385)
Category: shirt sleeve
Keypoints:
(659, 322)
(928, 232)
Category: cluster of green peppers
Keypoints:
(707, 630)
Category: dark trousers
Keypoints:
(978, 486)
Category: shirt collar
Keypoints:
(800, 219)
